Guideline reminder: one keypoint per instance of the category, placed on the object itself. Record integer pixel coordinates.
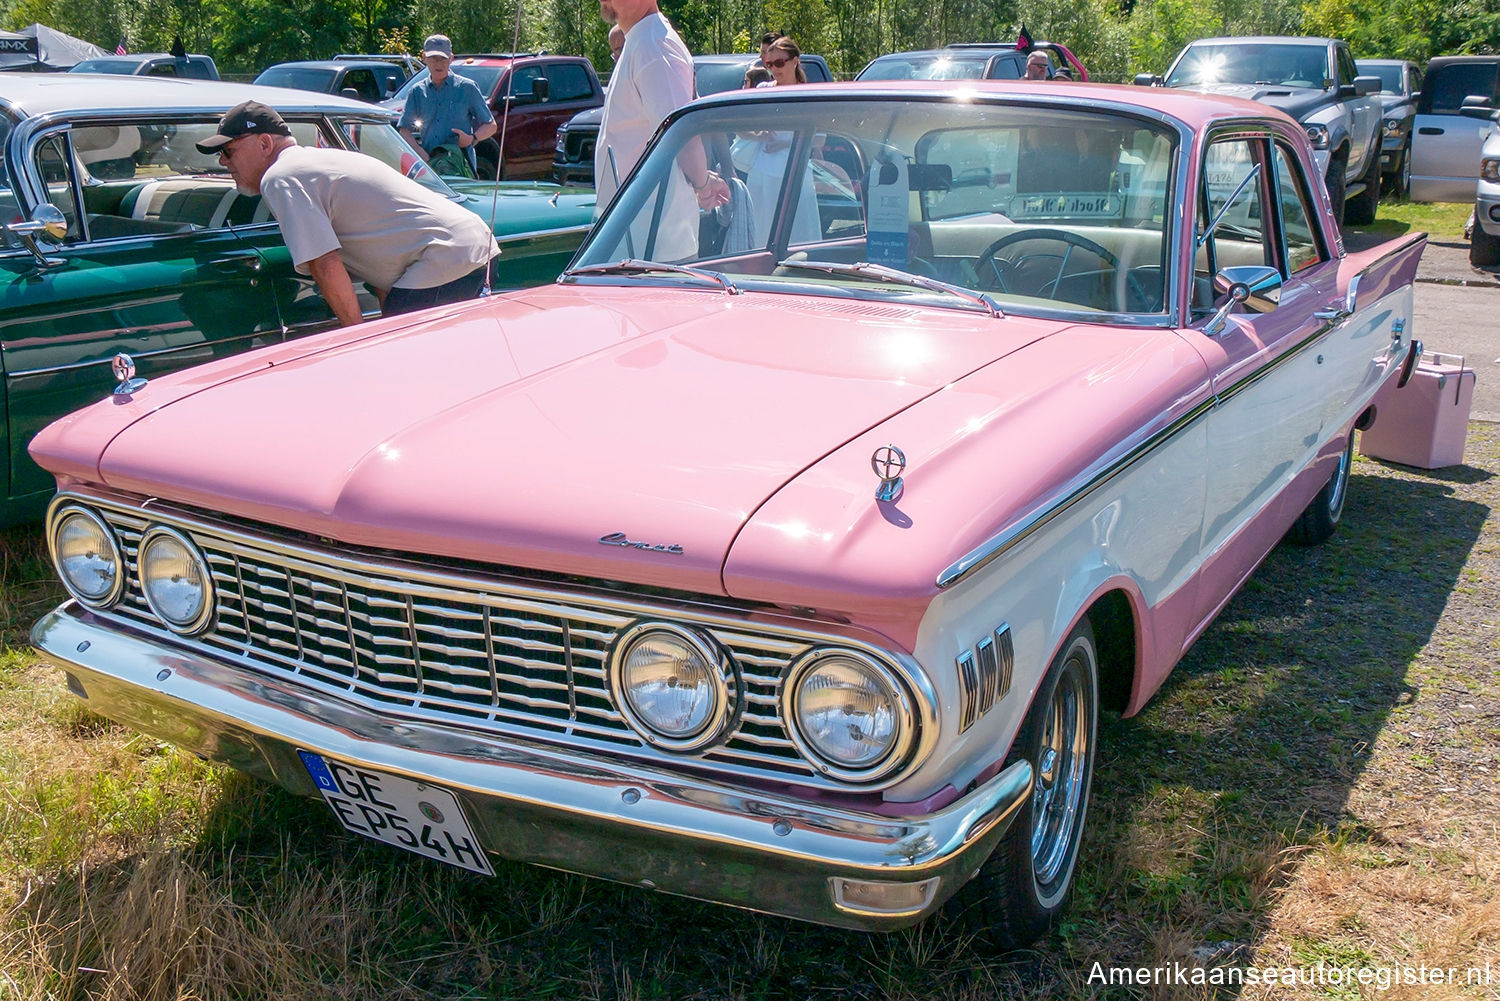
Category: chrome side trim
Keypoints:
(1074, 491)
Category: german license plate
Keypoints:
(411, 815)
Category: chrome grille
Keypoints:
(459, 651)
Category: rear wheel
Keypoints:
(1021, 890)
(1484, 250)
(1321, 517)
(1398, 181)
(1360, 210)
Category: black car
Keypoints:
(573, 158)
(369, 80)
(194, 67)
(1400, 82)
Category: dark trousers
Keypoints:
(405, 300)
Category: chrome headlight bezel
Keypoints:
(1391, 126)
(1318, 136)
(55, 524)
(1489, 169)
(903, 709)
(200, 621)
(725, 688)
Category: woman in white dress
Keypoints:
(768, 158)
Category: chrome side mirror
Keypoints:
(1257, 288)
(47, 223)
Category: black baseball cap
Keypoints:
(248, 119)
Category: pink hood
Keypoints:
(521, 430)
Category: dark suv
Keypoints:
(573, 149)
(364, 81)
(543, 91)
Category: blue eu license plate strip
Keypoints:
(416, 816)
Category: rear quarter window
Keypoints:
(568, 82)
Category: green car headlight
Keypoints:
(175, 580)
(87, 557)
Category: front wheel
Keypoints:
(1335, 183)
(1321, 517)
(1484, 250)
(1021, 890)
(1360, 210)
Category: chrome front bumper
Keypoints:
(625, 822)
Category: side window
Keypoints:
(162, 69)
(1230, 193)
(1414, 79)
(837, 175)
(1006, 68)
(568, 82)
(1296, 218)
(197, 69)
(520, 84)
(1444, 91)
(54, 162)
(363, 81)
(1347, 71)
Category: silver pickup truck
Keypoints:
(1315, 81)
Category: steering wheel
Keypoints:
(1002, 283)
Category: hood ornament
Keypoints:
(126, 382)
(889, 462)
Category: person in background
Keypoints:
(1038, 65)
(347, 216)
(766, 42)
(784, 60)
(756, 75)
(447, 107)
(616, 41)
(653, 78)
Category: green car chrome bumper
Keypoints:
(626, 822)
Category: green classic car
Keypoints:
(120, 236)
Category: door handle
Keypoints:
(1428, 130)
(236, 263)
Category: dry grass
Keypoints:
(1317, 783)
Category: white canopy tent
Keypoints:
(49, 50)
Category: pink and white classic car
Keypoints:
(781, 554)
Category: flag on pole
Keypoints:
(179, 51)
(120, 49)
(1023, 40)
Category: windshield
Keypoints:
(120, 67)
(298, 78)
(161, 150)
(913, 67)
(1247, 63)
(486, 78)
(1051, 209)
(1390, 76)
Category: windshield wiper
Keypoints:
(894, 276)
(631, 267)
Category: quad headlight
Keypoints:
(674, 686)
(175, 580)
(848, 714)
(87, 556)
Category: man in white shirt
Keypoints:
(652, 78)
(347, 216)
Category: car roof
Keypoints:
(1190, 108)
(1384, 62)
(1263, 40)
(31, 94)
(331, 64)
(1451, 60)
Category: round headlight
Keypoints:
(675, 687)
(175, 580)
(848, 714)
(87, 557)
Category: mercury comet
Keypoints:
(784, 552)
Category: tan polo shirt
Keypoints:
(388, 229)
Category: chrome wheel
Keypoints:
(1060, 786)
